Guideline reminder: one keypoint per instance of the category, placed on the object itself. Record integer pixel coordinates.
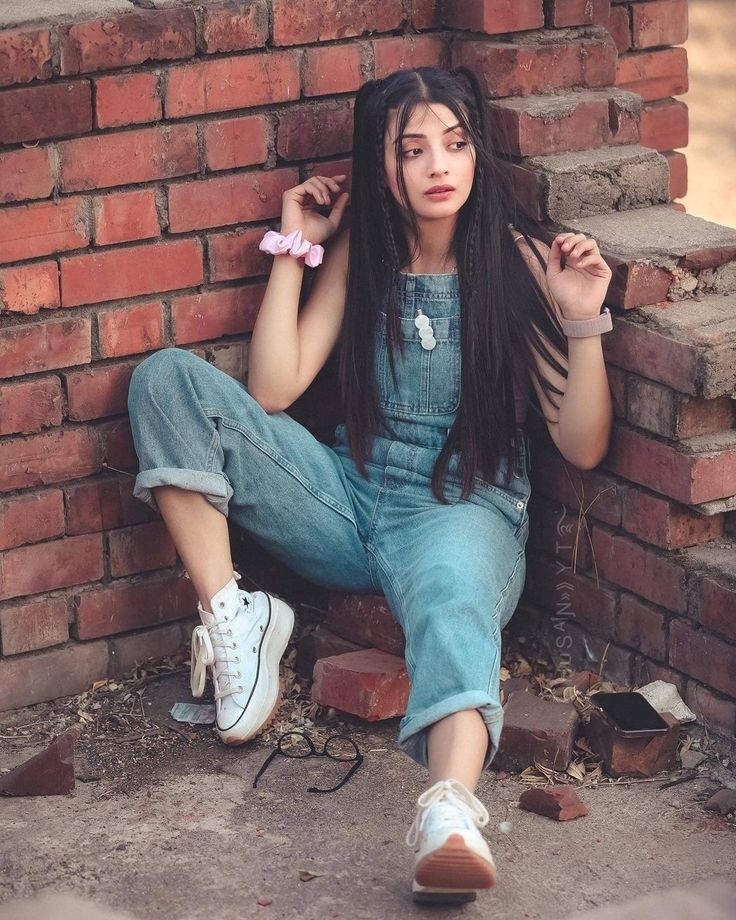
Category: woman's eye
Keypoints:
(409, 150)
(464, 144)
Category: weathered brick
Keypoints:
(331, 69)
(401, 52)
(31, 518)
(369, 683)
(25, 173)
(665, 523)
(320, 643)
(55, 564)
(702, 655)
(494, 16)
(98, 391)
(123, 41)
(51, 110)
(48, 457)
(714, 711)
(38, 229)
(103, 504)
(131, 330)
(127, 99)
(534, 125)
(228, 311)
(633, 756)
(315, 130)
(536, 730)
(642, 627)
(365, 619)
(558, 802)
(123, 605)
(299, 22)
(140, 549)
(231, 359)
(124, 216)
(30, 405)
(653, 74)
(233, 142)
(25, 55)
(48, 675)
(236, 254)
(29, 288)
(235, 26)
(561, 13)
(111, 274)
(661, 22)
(664, 124)
(44, 346)
(713, 604)
(34, 625)
(117, 445)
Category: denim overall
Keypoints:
(452, 574)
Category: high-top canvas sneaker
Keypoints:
(242, 641)
(452, 858)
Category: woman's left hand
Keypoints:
(580, 287)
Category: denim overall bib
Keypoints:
(452, 574)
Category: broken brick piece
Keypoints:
(365, 619)
(320, 643)
(536, 730)
(558, 802)
(49, 773)
(370, 683)
(633, 756)
(724, 801)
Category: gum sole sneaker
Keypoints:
(242, 641)
(452, 859)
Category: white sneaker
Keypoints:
(452, 858)
(243, 641)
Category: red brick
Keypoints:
(124, 605)
(572, 595)
(705, 657)
(142, 155)
(103, 504)
(129, 652)
(521, 70)
(634, 756)
(331, 69)
(98, 391)
(127, 99)
(124, 216)
(536, 730)
(666, 524)
(662, 22)
(619, 27)
(35, 625)
(51, 674)
(558, 802)
(675, 415)
(31, 518)
(117, 445)
(235, 26)
(316, 129)
(641, 627)
(233, 142)
(713, 604)
(228, 199)
(44, 346)
(227, 311)
(649, 573)
(25, 173)
(653, 74)
(52, 110)
(39, 229)
(46, 566)
(678, 173)
(369, 683)
(401, 52)
(29, 406)
(115, 273)
(49, 457)
(232, 83)
(299, 22)
(581, 124)
(713, 711)
(664, 124)
(494, 16)
(29, 288)
(140, 549)
(425, 14)
(127, 40)
(557, 530)
(236, 255)
(589, 491)
(365, 619)
(320, 643)
(131, 330)
(25, 55)
(561, 13)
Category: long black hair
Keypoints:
(503, 308)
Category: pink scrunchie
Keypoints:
(293, 243)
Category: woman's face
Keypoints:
(434, 152)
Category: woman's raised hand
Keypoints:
(300, 203)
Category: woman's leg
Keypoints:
(204, 549)
(457, 747)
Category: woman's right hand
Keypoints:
(299, 208)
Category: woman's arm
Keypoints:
(581, 427)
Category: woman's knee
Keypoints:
(156, 371)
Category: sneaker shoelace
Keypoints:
(210, 646)
(447, 792)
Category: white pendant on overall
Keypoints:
(426, 333)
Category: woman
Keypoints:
(444, 316)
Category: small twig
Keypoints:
(691, 774)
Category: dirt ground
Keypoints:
(164, 821)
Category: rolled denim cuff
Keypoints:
(215, 487)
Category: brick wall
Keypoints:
(143, 155)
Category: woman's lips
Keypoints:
(440, 195)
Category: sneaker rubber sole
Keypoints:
(274, 645)
(451, 874)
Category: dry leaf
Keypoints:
(306, 875)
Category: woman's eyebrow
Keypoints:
(446, 131)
